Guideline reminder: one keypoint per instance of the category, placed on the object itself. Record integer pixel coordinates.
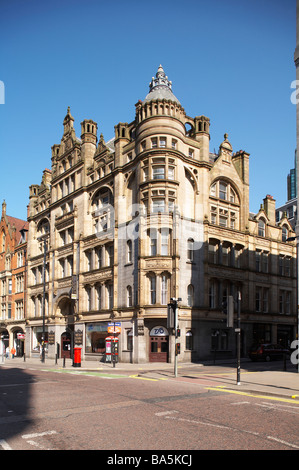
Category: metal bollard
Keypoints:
(24, 357)
(64, 362)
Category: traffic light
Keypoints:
(178, 332)
(177, 349)
(171, 315)
(228, 310)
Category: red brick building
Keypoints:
(13, 255)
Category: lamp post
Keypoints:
(238, 330)
(44, 240)
(291, 239)
(174, 306)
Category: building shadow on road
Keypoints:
(15, 402)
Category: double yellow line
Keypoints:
(146, 378)
(255, 395)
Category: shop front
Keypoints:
(37, 338)
(95, 335)
(19, 343)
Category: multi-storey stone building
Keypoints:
(12, 282)
(118, 228)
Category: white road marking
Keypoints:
(283, 442)
(241, 403)
(38, 434)
(219, 426)
(165, 413)
(5, 445)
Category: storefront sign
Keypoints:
(21, 335)
(159, 331)
(51, 337)
(78, 337)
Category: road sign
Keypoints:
(114, 327)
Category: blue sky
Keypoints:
(229, 60)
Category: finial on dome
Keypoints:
(160, 87)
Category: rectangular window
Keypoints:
(170, 205)
(88, 298)
(171, 172)
(258, 306)
(164, 241)
(222, 221)
(288, 303)
(222, 191)
(265, 300)
(164, 290)
(88, 260)
(110, 296)
(158, 172)
(265, 257)
(153, 242)
(99, 296)
(163, 142)
(212, 295)
(158, 205)
(154, 142)
(281, 265)
(20, 259)
(145, 174)
(258, 254)
(153, 290)
(98, 253)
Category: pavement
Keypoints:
(222, 375)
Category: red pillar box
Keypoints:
(77, 357)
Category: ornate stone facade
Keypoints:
(123, 226)
(13, 248)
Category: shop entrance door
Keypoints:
(66, 345)
(158, 349)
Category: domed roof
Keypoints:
(160, 88)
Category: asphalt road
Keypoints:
(51, 410)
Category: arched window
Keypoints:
(224, 205)
(129, 251)
(190, 295)
(261, 228)
(284, 233)
(3, 241)
(189, 340)
(129, 296)
(130, 340)
(190, 249)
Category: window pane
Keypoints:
(158, 172)
(171, 173)
(222, 191)
(158, 205)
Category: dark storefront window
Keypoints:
(95, 337)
